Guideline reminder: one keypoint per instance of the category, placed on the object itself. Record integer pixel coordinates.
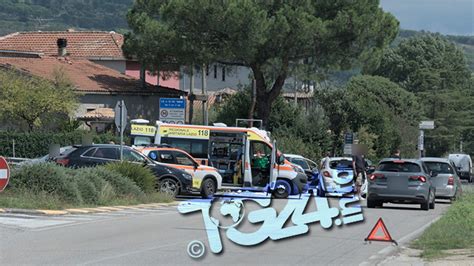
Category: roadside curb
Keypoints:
(86, 210)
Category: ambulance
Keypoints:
(246, 158)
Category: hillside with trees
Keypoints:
(33, 15)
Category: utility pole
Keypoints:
(296, 90)
(253, 102)
(205, 117)
(191, 94)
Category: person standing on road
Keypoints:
(324, 160)
(358, 166)
(396, 154)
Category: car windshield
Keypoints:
(334, 164)
(404, 167)
(439, 167)
(300, 162)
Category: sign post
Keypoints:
(173, 110)
(4, 173)
(421, 138)
(121, 122)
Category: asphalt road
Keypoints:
(161, 236)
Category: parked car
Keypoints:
(463, 165)
(446, 181)
(336, 177)
(169, 179)
(309, 167)
(62, 151)
(206, 179)
(401, 181)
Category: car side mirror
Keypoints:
(281, 159)
(434, 174)
(203, 162)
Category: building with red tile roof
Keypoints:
(98, 86)
(101, 47)
(80, 44)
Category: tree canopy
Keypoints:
(267, 36)
(32, 100)
(436, 71)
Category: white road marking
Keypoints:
(3, 174)
(31, 223)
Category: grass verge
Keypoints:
(454, 230)
(24, 199)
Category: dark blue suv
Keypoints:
(169, 179)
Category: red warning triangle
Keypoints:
(380, 233)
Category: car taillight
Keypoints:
(451, 180)
(418, 177)
(62, 161)
(375, 176)
(326, 174)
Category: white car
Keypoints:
(336, 176)
(306, 164)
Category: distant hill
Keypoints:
(33, 15)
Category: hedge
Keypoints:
(32, 145)
(94, 185)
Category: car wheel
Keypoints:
(371, 204)
(282, 189)
(169, 186)
(379, 204)
(432, 204)
(208, 188)
(426, 205)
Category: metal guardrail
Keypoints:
(16, 160)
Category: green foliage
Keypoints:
(32, 100)
(93, 187)
(90, 186)
(36, 144)
(122, 185)
(140, 174)
(268, 37)
(48, 178)
(466, 43)
(385, 108)
(436, 70)
(454, 230)
(336, 106)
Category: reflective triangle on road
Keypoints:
(380, 233)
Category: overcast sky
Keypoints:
(443, 16)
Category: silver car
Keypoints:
(446, 181)
(401, 181)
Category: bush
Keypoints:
(122, 185)
(46, 177)
(36, 144)
(141, 175)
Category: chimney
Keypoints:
(62, 44)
